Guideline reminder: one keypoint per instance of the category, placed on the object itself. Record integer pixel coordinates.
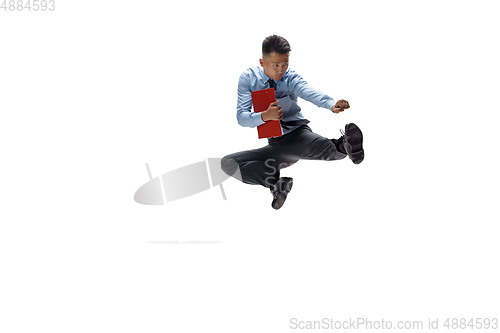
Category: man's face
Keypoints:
(275, 65)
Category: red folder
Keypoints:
(261, 100)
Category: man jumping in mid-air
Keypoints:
(262, 166)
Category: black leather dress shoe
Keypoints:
(353, 143)
(280, 191)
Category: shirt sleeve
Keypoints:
(246, 117)
(299, 87)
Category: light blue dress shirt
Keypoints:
(288, 89)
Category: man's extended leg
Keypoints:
(311, 146)
(303, 143)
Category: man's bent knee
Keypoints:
(230, 167)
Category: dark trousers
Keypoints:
(262, 166)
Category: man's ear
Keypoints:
(261, 62)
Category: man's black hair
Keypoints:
(276, 44)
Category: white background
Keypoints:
(92, 91)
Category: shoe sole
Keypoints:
(355, 141)
(278, 203)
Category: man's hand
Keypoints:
(273, 112)
(340, 106)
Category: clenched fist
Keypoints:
(340, 106)
(274, 112)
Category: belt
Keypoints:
(288, 124)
